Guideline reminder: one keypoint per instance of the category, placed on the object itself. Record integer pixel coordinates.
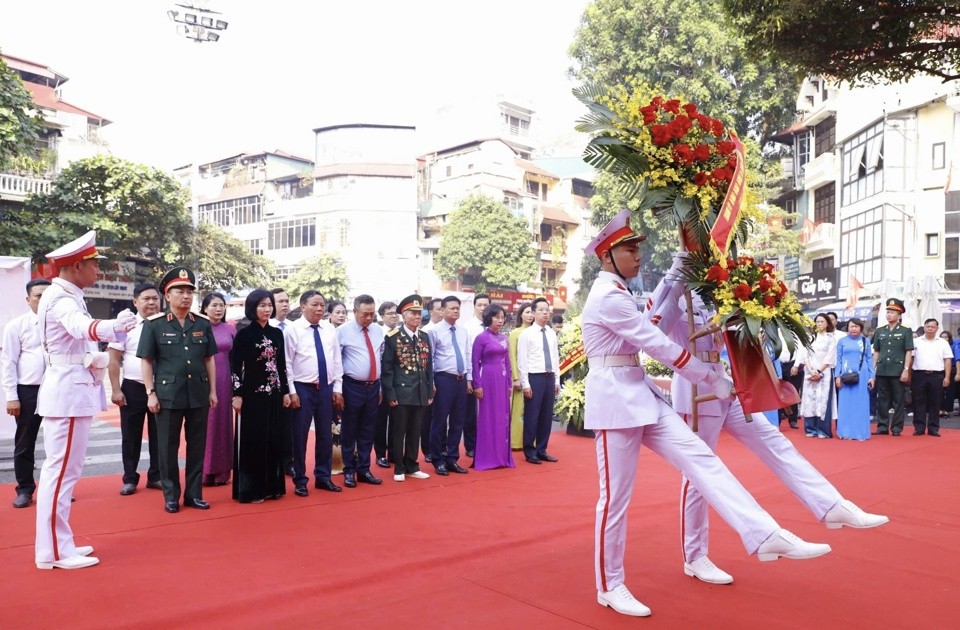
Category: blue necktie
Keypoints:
(321, 357)
(456, 348)
(283, 325)
(546, 352)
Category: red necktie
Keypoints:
(373, 357)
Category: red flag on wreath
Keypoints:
(722, 231)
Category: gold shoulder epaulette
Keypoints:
(158, 315)
(395, 331)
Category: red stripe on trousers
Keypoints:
(606, 510)
(56, 494)
(683, 519)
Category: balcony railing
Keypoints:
(820, 170)
(821, 239)
(19, 187)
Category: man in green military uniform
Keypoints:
(177, 349)
(407, 383)
(892, 357)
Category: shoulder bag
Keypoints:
(852, 378)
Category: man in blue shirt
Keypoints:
(452, 375)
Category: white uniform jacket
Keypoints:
(67, 333)
(667, 309)
(624, 397)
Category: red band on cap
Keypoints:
(83, 254)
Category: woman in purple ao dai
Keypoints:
(491, 386)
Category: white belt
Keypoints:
(615, 360)
(66, 359)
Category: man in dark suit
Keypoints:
(407, 386)
(177, 349)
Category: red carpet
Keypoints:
(500, 549)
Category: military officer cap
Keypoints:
(409, 302)
(617, 232)
(178, 277)
(893, 304)
(83, 248)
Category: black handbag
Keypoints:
(852, 378)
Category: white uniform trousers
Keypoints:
(65, 442)
(774, 450)
(617, 455)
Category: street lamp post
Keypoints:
(198, 22)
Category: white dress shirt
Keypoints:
(301, 354)
(130, 363)
(530, 356)
(21, 361)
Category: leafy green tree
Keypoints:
(862, 42)
(222, 261)
(325, 273)
(773, 239)
(685, 49)
(20, 122)
(138, 212)
(484, 239)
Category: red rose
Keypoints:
(782, 287)
(661, 135)
(766, 267)
(731, 263)
(770, 301)
(691, 109)
(702, 152)
(725, 147)
(679, 126)
(765, 284)
(719, 174)
(657, 101)
(700, 179)
(683, 154)
(716, 127)
(718, 274)
(649, 114)
(742, 291)
(703, 121)
(672, 106)
(732, 161)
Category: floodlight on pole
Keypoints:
(197, 22)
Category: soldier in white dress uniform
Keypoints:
(70, 394)
(624, 409)
(667, 309)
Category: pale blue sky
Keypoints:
(285, 67)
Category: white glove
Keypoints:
(679, 262)
(721, 383)
(125, 321)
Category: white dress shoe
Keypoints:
(399, 477)
(73, 562)
(847, 513)
(86, 550)
(623, 601)
(420, 475)
(706, 571)
(789, 545)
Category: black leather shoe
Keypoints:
(172, 506)
(547, 458)
(326, 484)
(199, 504)
(470, 454)
(301, 491)
(154, 485)
(881, 433)
(428, 458)
(932, 434)
(442, 470)
(349, 480)
(533, 460)
(289, 471)
(382, 462)
(368, 477)
(918, 432)
(127, 489)
(793, 424)
(23, 500)
(895, 434)
(457, 468)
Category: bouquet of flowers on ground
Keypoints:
(573, 367)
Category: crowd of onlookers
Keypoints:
(849, 378)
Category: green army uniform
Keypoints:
(407, 378)
(891, 346)
(183, 389)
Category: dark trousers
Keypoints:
(425, 423)
(927, 396)
(890, 394)
(287, 417)
(446, 426)
(405, 426)
(538, 415)
(382, 442)
(316, 405)
(194, 424)
(793, 411)
(470, 425)
(131, 433)
(950, 391)
(25, 438)
(361, 400)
